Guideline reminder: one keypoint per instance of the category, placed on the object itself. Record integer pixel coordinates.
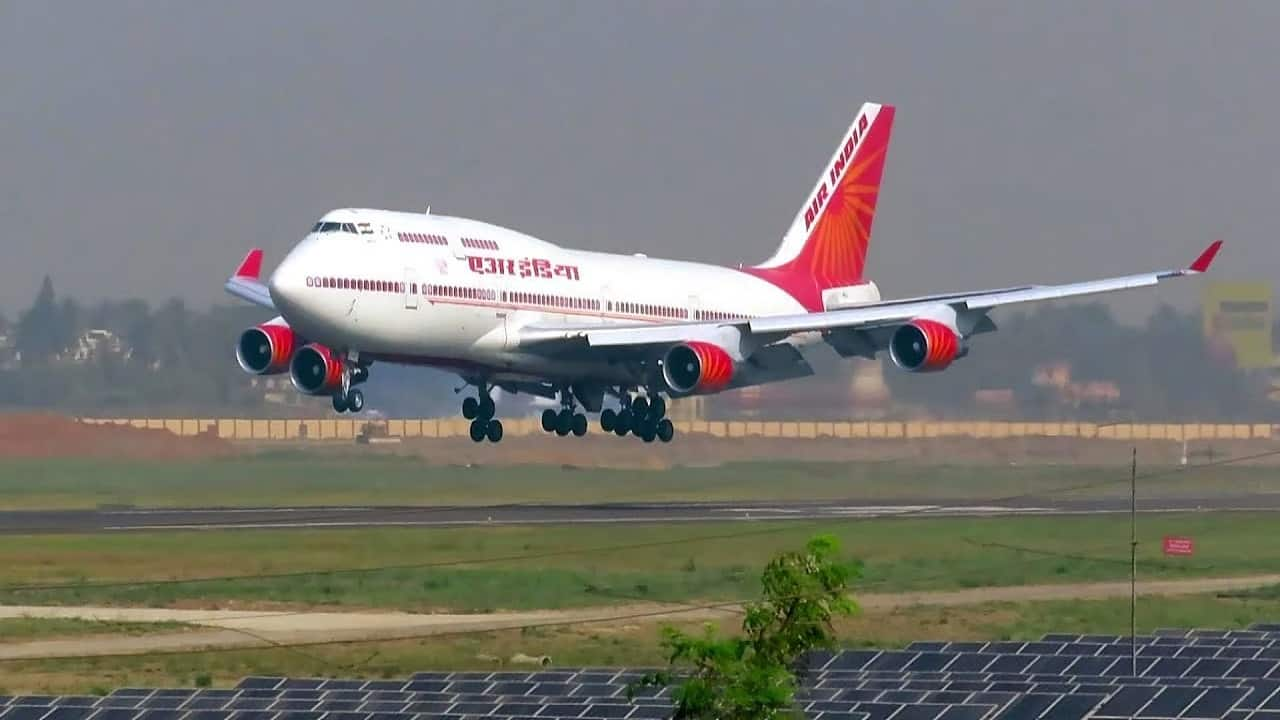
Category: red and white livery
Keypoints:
(507, 310)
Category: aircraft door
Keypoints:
(694, 306)
(410, 289)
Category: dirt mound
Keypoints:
(44, 436)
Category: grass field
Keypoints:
(510, 567)
(616, 645)
(296, 478)
(20, 629)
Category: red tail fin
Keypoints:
(826, 245)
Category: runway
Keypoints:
(175, 519)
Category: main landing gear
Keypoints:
(349, 399)
(567, 420)
(480, 411)
(646, 418)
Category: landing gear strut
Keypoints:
(480, 411)
(567, 420)
(346, 398)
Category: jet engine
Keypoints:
(266, 349)
(697, 368)
(316, 370)
(924, 345)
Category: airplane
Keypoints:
(505, 310)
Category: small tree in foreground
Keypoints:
(753, 677)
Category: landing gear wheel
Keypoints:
(640, 407)
(666, 430)
(479, 428)
(607, 419)
(339, 403)
(549, 420)
(622, 424)
(355, 401)
(486, 408)
(564, 422)
(470, 408)
(579, 425)
(658, 407)
(494, 430)
(647, 432)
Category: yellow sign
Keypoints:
(1239, 315)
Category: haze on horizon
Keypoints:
(148, 145)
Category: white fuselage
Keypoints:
(450, 292)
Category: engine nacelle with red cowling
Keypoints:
(316, 370)
(266, 349)
(925, 345)
(697, 368)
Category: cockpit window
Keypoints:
(325, 227)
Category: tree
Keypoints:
(754, 677)
(39, 332)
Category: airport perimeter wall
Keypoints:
(335, 429)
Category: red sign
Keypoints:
(1174, 545)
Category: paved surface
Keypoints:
(65, 521)
(249, 628)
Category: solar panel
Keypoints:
(1027, 706)
(159, 714)
(1215, 703)
(966, 712)
(1126, 702)
(69, 713)
(260, 683)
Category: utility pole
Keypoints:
(1133, 563)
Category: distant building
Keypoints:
(1238, 322)
(93, 344)
(1056, 377)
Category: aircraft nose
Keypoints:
(288, 282)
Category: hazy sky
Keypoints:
(148, 145)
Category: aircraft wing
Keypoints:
(864, 317)
(245, 283)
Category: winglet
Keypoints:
(251, 266)
(1206, 258)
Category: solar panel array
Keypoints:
(1191, 675)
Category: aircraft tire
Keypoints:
(640, 407)
(339, 403)
(549, 420)
(494, 430)
(564, 422)
(622, 424)
(470, 408)
(658, 407)
(579, 425)
(607, 419)
(355, 401)
(665, 430)
(486, 409)
(479, 429)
